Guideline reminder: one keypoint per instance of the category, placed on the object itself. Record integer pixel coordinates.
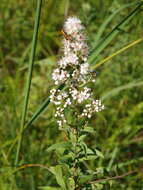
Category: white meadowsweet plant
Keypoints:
(75, 104)
(73, 70)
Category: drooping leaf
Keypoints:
(57, 171)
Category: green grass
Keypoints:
(119, 83)
(29, 77)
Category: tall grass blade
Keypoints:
(120, 88)
(117, 53)
(29, 77)
(117, 29)
(107, 21)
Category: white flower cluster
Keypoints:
(80, 96)
(60, 76)
(73, 70)
(73, 26)
(94, 106)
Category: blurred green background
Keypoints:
(119, 133)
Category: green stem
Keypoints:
(75, 133)
(29, 77)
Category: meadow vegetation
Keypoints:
(117, 129)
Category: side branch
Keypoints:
(114, 177)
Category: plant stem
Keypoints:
(29, 77)
(75, 163)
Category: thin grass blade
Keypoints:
(107, 21)
(117, 29)
(117, 53)
(29, 77)
(121, 88)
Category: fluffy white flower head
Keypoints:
(73, 25)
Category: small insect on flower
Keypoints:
(67, 37)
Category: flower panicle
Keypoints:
(73, 70)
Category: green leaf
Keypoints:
(86, 149)
(85, 178)
(71, 184)
(89, 129)
(84, 158)
(68, 158)
(97, 186)
(99, 154)
(87, 153)
(81, 138)
(61, 147)
(57, 171)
